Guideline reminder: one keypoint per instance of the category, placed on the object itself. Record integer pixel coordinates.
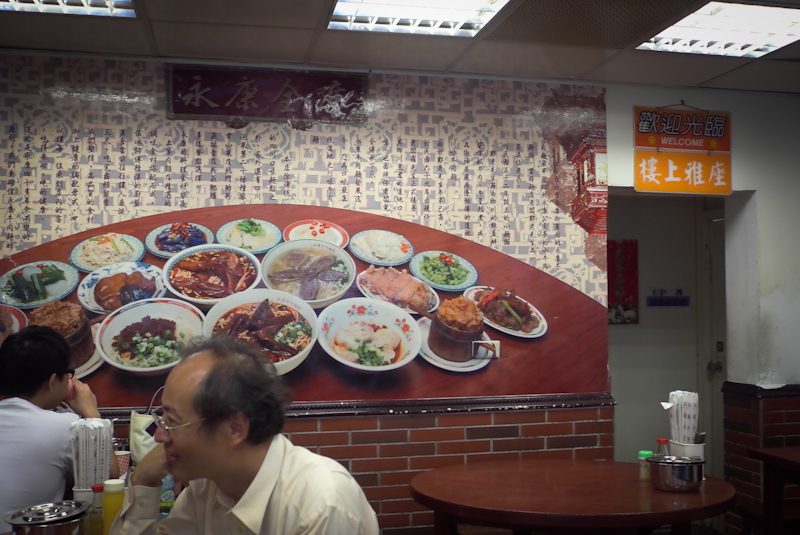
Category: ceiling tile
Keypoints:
(529, 60)
(235, 43)
(386, 51)
(663, 68)
(281, 13)
(86, 34)
(766, 75)
(604, 23)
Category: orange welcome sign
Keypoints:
(682, 172)
(681, 129)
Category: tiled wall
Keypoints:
(385, 452)
(756, 418)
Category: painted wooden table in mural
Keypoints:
(563, 496)
(570, 358)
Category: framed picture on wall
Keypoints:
(623, 282)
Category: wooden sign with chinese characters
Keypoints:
(682, 151)
(266, 95)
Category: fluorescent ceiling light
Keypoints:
(455, 18)
(102, 8)
(722, 29)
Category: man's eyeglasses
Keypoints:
(158, 418)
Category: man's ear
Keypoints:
(53, 381)
(239, 427)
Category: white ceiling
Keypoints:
(582, 40)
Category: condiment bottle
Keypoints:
(644, 467)
(113, 495)
(94, 517)
(663, 446)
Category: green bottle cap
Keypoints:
(644, 454)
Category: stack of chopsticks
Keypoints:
(91, 450)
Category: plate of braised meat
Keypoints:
(204, 274)
(108, 288)
(507, 312)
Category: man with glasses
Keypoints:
(35, 447)
(219, 431)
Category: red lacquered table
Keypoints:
(570, 358)
(562, 496)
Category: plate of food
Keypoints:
(282, 326)
(145, 337)
(254, 235)
(481, 359)
(316, 271)
(316, 229)
(368, 335)
(397, 287)
(505, 311)
(32, 285)
(166, 240)
(381, 247)
(443, 270)
(106, 249)
(12, 320)
(204, 274)
(108, 288)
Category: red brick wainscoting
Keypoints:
(755, 417)
(384, 452)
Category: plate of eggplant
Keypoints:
(32, 285)
(108, 288)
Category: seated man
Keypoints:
(219, 430)
(35, 446)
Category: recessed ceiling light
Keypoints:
(722, 29)
(455, 18)
(102, 8)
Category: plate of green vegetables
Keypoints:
(32, 285)
(444, 270)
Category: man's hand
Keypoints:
(152, 468)
(82, 400)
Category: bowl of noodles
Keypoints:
(145, 337)
(282, 326)
(316, 271)
(369, 335)
(106, 249)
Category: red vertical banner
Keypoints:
(623, 281)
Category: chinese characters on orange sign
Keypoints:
(680, 151)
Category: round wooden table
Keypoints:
(572, 357)
(562, 496)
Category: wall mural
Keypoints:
(516, 166)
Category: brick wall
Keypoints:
(385, 452)
(754, 417)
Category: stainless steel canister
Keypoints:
(676, 474)
(57, 518)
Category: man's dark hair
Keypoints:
(241, 380)
(28, 359)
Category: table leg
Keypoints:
(444, 524)
(773, 500)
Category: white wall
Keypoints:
(762, 259)
(648, 360)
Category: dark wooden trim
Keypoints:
(423, 406)
(755, 391)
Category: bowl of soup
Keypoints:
(369, 335)
(316, 271)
